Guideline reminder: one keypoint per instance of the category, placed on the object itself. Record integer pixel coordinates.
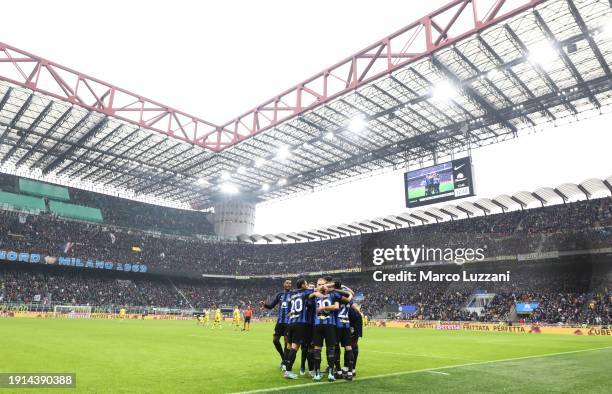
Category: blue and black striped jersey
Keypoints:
(326, 317)
(312, 309)
(282, 300)
(298, 306)
(342, 320)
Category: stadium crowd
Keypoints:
(566, 296)
(579, 225)
(49, 236)
(571, 292)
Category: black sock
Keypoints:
(279, 349)
(349, 359)
(304, 357)
(291, 359)
(331, 356)
(337, 357)
(316, 355)
(355, 354)
(311, 362)
(286, 355)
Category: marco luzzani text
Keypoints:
(405, 255)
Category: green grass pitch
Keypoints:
(178, 356)
(420, 192)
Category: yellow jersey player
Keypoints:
(236, 319)
(365, 321)
(122, 313)
(206, 318)
(217, 323)
(199, 319)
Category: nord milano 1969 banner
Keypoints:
(489, 327)
(33, 258)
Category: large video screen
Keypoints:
(438, 183)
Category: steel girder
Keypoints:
(73, 127)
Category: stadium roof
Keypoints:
(545, 196)
(472, 73)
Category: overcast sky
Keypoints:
(219, 59)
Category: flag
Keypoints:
(68, 246)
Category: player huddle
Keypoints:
(311, 316)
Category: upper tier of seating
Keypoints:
(578, 225)
(97, 207)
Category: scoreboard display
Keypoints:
(439, 183)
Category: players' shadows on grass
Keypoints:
(578, 372)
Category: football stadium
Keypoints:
(432, 213)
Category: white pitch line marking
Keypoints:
(386, 375)
(439, 373)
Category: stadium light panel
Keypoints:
(229, 188)
(542, 54)
(493, 73)
(443, 92)
(606, 29)
(282, 153)
(357, 125)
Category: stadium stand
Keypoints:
(96, 207)
(127, 213)
(567, 294)
(584, 224)
(564, 297)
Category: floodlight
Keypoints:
(260, 162)
(241, 170)
(357, 125)
(265, 187)
(443, 91)
(542, 54)
(282, 182)
(606, 29)
(329, 135)
(229, 188)
(493, 73)
(282, 153)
